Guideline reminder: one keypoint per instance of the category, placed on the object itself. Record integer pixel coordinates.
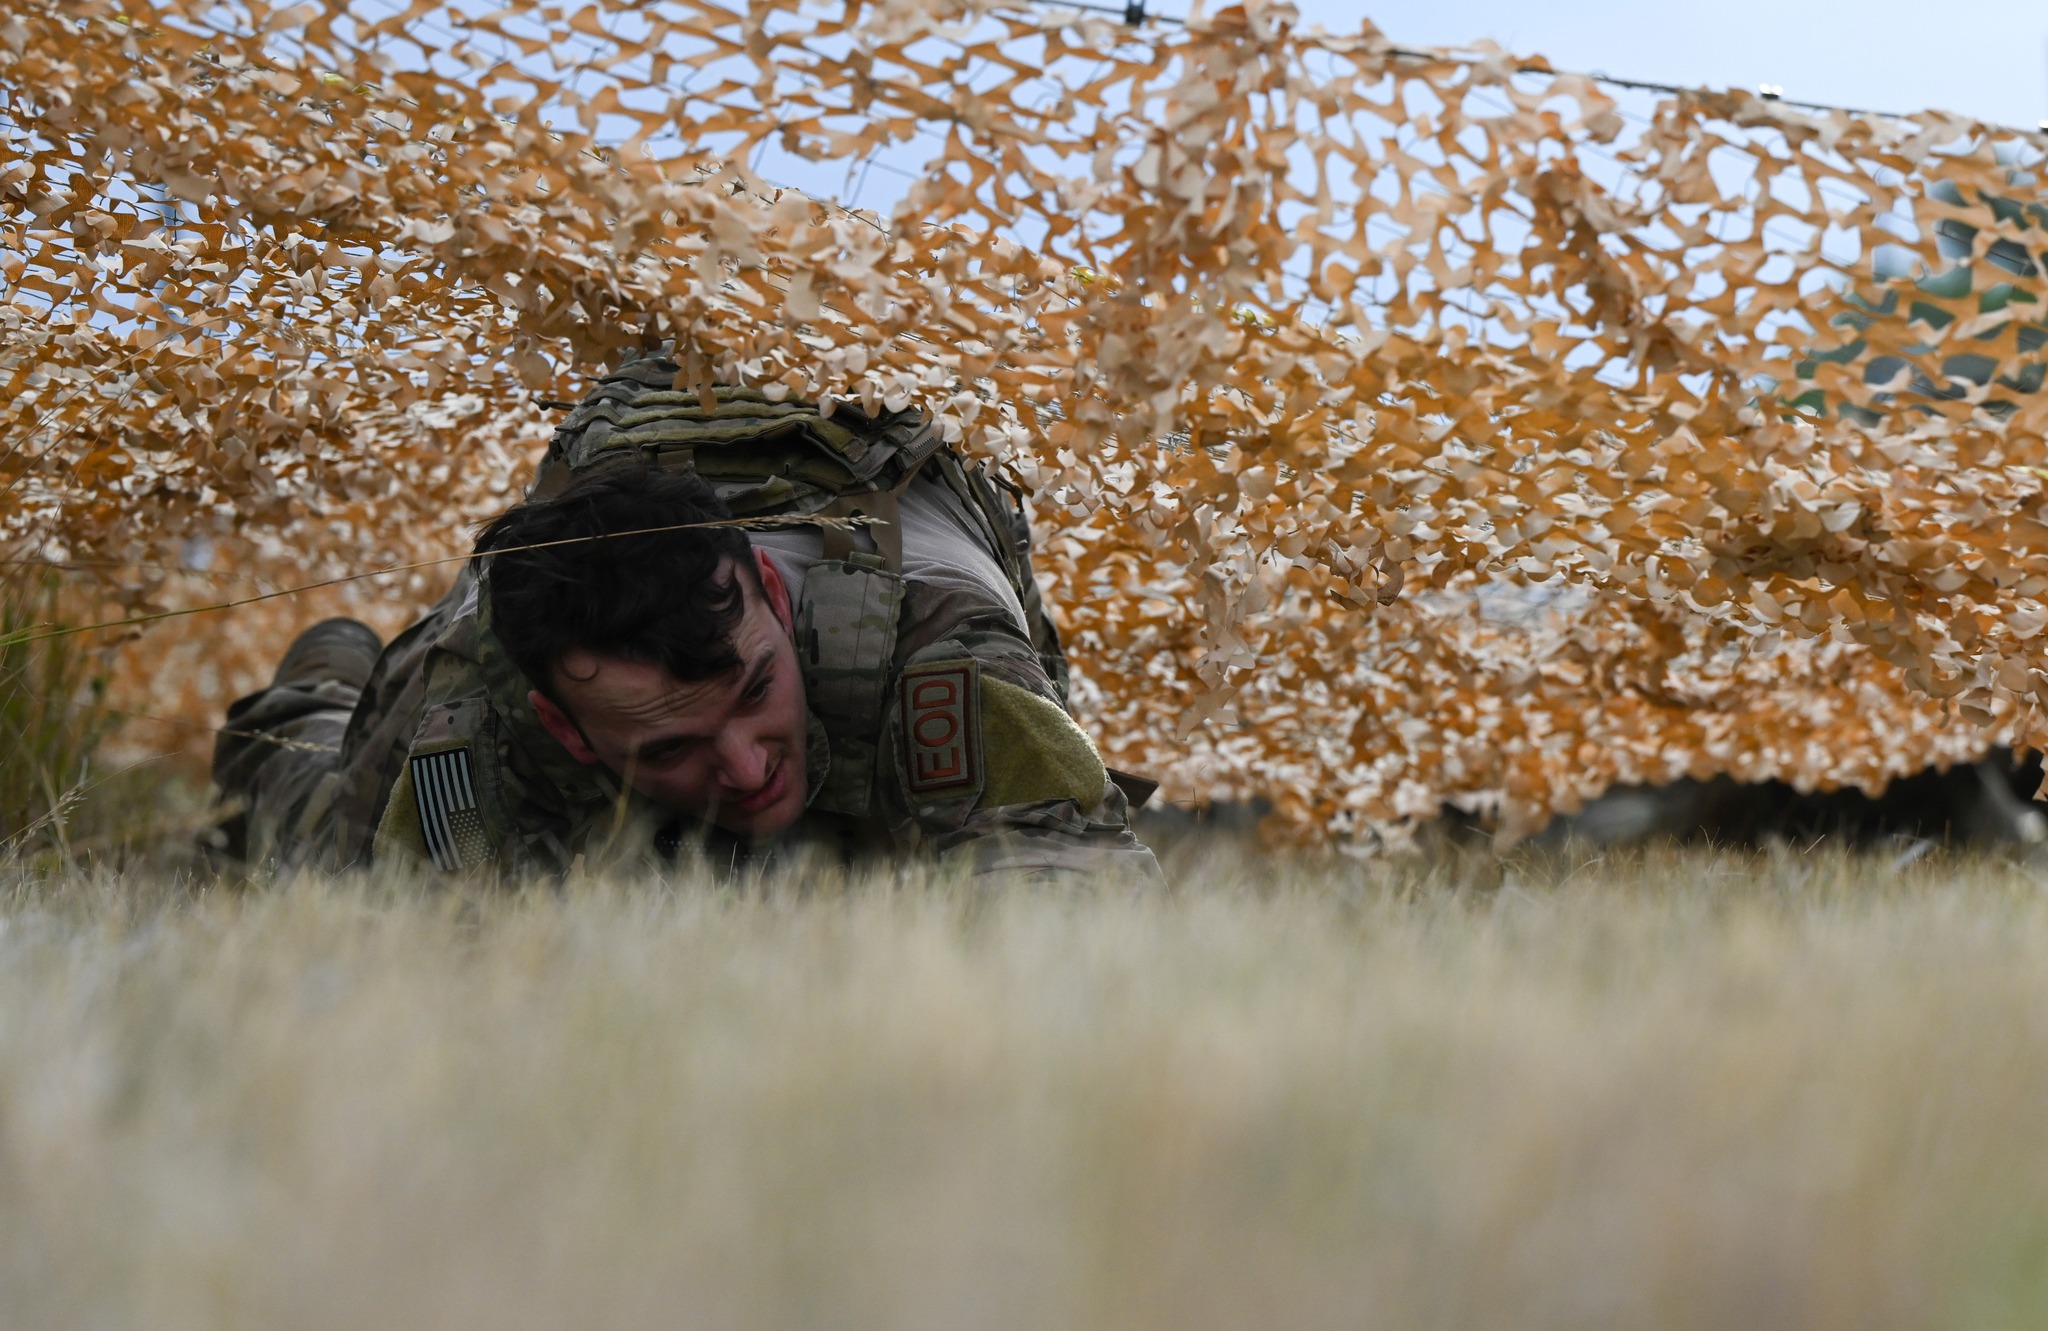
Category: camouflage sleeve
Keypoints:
(431, 826)
(994, 772)
(1053, 841)
(399, 838)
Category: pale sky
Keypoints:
(1984, 58)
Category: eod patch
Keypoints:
(941, 710)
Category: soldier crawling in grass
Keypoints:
(884, 682)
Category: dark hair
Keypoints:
(664, 598)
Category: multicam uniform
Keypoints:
(935, 681)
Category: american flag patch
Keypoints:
(444, 786)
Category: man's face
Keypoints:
(729, 749)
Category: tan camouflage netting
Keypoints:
(1405, 427)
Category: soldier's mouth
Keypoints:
(765, 795)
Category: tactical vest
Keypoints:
(762, 458)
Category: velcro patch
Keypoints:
(941, 711)
(444, 787)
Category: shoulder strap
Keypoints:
(846, 641)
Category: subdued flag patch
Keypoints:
(444, 787)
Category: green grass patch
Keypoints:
(52, 719)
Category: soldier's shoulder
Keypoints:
(969, 734)
(962, 609)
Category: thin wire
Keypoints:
(1641, 85)
(297, 745)
(1124, 12)
(137, 566)
(792, 520)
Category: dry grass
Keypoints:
(51, 718)
(1662, 1091)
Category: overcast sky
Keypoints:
(1984, 58)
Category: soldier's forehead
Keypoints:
(644, 692)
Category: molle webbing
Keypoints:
(759, 456)
(846, 641)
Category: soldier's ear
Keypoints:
(561, 729)
(774, 588)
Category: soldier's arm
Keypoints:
(996, 774)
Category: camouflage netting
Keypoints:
(1405, 427)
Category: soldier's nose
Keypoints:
(743, 764)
